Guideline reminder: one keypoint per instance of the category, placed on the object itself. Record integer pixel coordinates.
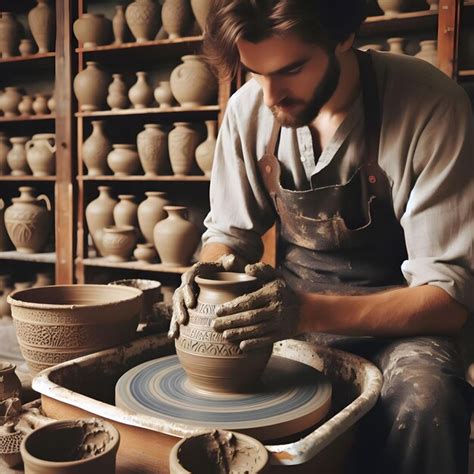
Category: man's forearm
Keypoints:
(212, 252)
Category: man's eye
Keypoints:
(295, 70)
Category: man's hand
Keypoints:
(260, 318)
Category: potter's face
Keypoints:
(297, 78)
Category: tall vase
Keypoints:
(117, 98)
(90, 87)
(428, 52)
(395, 45)
(150, 212)
(205, 151)
(141, 94)
(95, 150)
(201, 10)
(143, 18)
(182, 142)
(5, 147)
(6, 288)
(16, 157)
(10, 31)
(152, 144)
(41, 154)
(5, 243)
(119, 25)
(125, 212)
(176, 16)
(42, 25)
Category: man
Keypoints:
(364, 160)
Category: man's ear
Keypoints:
(345, 45)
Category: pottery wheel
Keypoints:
(290, 398)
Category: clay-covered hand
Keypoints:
(263, 317)
(185, 297)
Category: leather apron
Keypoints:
(343, 238)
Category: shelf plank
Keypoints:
(149, 111)
(466, 73)
(46, 257)
(173, 178)
(23, 59)
(27, 118)
(27, 178)
(134, 265)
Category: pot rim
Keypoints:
(131, 282)
(228, 278)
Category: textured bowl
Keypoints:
(57, 323)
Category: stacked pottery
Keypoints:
(5, 243)
(5, 147)
(11, 100)
(201, 10)
(395, 45)
(40, 104)
(152, 144)
(27, 47)
(393, 7)
(10, 31)
(119, 25)
(176, 16)
(428, 52)
(150, 212)
(95, 150)
(25, 107)
(117, 98)
(143, 18)
(205, 151)
(16, 157)
(5, 289)
(182, 143)
(163, 94)
(42, 25)
(141, 94)
(145, 253)
(118, 242)
(123, 159)
(192, 83)
(92, 29)
(90, 87)
(41, 154)
(28, 221)
(125, 212)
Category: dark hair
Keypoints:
(326, 22)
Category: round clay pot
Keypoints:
(82, 446)
(43, 279)
(16, 157)
(5, 243)
(192, 82)
(52, 103)
(118, 242)
(87, 319)
(428, 52)
(119, 25)
(5, 289)
(41, 154)
(393, 7)
(100, 214)
(145, 253)
(141, 94)
(152, 144)
(182, 143)
(27, 47)
(236, 451)
(11, 100)
(176, 239)
(176, 16)
(5, 147)
(40, 104)
(42, 21)
(210, 362)
(395, 45)
(10, 385)
(433, 4)
(10, 31)
(92, 30)
(163, 94)
(201, 10)
(123, 159)
(125, 211)
(28, 221)
(143, 18)
(90, 87)
(95, 150)
(205, 151)
(117, 98)
(25, 107)
(150, 212)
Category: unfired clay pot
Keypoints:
(10, 31)
(117, 98)
(118, 242)
(28, 221)
(5, 243)
(92, 29)
(43, 279)
(201, 10)
(5, 147)
(5, 289)
(52, 103)
(125, 212)
(10, 385)
(192, 82)
(145, 253)
(175, 237)
(152, 144)
(95, 150)
(182, 143)
(163, 94)
(176, 16)
(210, 362)
(25, 107)
(40, 104)
(41, 154)
(428, 52)
(393, 7)
(11, 100)
(433, 4)
(27, 47)
(143, 18)
(119, 25)
(90, 87)
(395, 45)
(123, 159)
(205, 151)
(42, 21)
(16, 157)
(141, 94)
(150, 212)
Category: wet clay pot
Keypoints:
(125, 212)
(141, 94)
(10, 385)
(40, 104)
(16, 157)
(152, 144)
(118, 242)
(5, 289)
(145, 253)
(5, 147)
(92, 29)
(428, 52)
(10, 31)
(90, 87)
(176, 16)
(41, 154)
(118, 97)
(193, 83)
(42, 25)
(143, 18)
(150, 212)
(163, 94)
(25, 107)
(95, 150)
(119, 25)
(182, 143)
(176, 239)
(27, 47)
(210, 362)
(393, 7)
(83, 446)
(5, 243)
(123, 160)
(28, 221)
(201, 10)
(11, 100)
(205, 151)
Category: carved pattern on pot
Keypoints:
(182, 143)
(176, 15)
(41, 359)
(152, 144)
(143, 18)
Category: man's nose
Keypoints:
(273, 92)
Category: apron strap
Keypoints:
(274, 137)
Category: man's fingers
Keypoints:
(173, 331)
(189, 296)
(252, 344)
(249, 332)
(262, 271)
(246, 318)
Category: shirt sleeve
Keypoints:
(439, 220)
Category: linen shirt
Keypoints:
(426, 150)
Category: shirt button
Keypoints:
(303, 159)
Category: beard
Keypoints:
(321, 95)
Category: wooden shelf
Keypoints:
(32, 57)
(149, 111)
(466, 73)
(173, 178)
(46, 257)
(27, 178)
(401, 23)
(134, 265)
(27, 118)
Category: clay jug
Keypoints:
(41, 154)
(205, 151)
(118, 242)
(92, 30)
(11, 100)
(27, 47)
(10, 385)
(201, 10)
(43, 279)
(192, 82)
(210, 362)
(145, 253)
(152, 146)
(182, 143)
(5, 147)
(433, 4)
(176, 239)
(125, 212)
(5, 289)
(16, 157)
(428, 52)
(395, 45)
(176, 16)
(90, 87)
(393, 7)
(141, 94)
(40, 104)
(150, 212)
(42, 25)
(95, 150)
(5, 243)
(119, 25)
(25, 107)
(123, 160)
(143, 18)
(163, 94)
(117, 98)
(10, 31)
(99, 214)
(28, 221)
(52, 103)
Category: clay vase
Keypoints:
(5, 243)
(90, 87)
(393, 7)
(10, 385)
(41, 154)
(92, 30)
(123, 159)
(143, 18)
(43, 279)
(5, 147)
(95, 150)
(182, 143)
(52, 103)
(433, 4)
(16, 157)
(428, 52)
(163, 94)
(100, 214)
(176, 239)
(11, 100)
(118, 242)
(141, 94)
(201, 10)
(10, 31)
(395, 45)
(192, 83)
(119, 25)
(210, 362)
(42, 25)
(40, 104)
(150, 212)
(205, 151)
(28, 221)
(152, 144)
(176, 16)
(145, 253)
(25, 107)
(117, 98)
(125, 212)
(5, 289)
(27, 47)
